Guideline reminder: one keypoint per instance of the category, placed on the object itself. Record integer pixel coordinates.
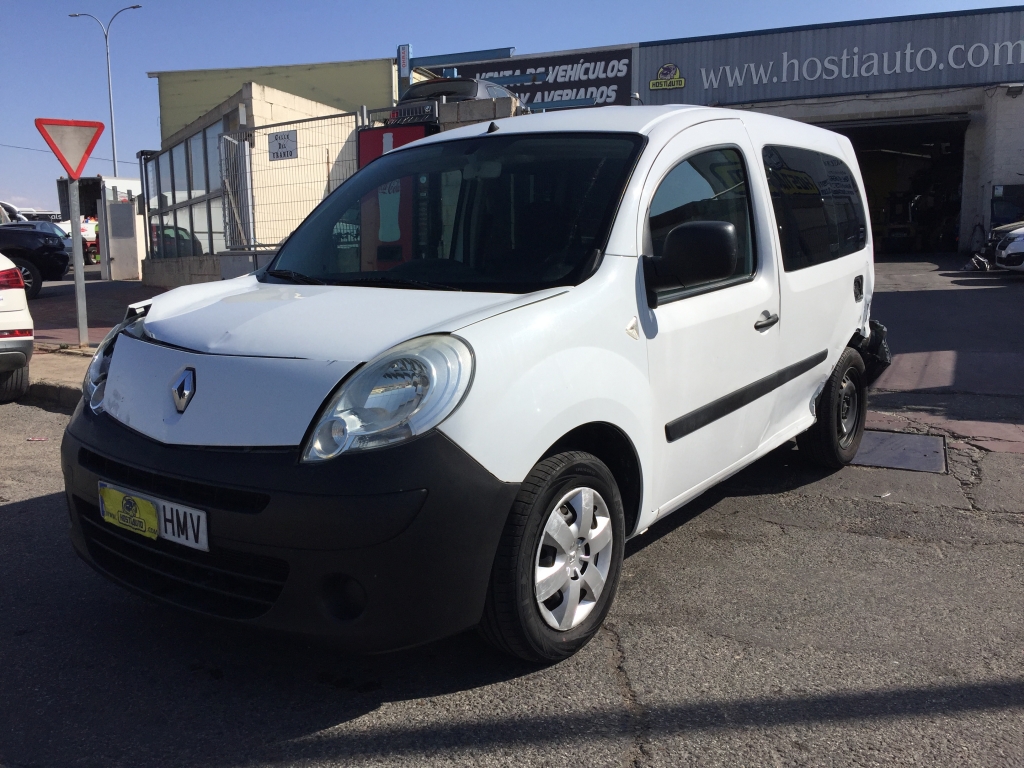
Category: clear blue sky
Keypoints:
(53, 66)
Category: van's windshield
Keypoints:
(506, 214)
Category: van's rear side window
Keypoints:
(818, 208)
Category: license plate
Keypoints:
(153, 518)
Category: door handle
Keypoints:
(766, 321)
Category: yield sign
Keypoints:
(72, 141)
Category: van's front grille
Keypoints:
(185, 491)
(222, 582)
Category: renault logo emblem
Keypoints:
(183, 389)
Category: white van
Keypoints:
(476, 369)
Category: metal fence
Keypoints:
(274, 175)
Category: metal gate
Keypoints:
(274, 175)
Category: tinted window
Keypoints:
(711, 186)
(497, 92)
(505, 213)
(817, 205)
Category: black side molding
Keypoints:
(723, 406)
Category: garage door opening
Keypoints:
(913, 175)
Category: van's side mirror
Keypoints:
(695, 253)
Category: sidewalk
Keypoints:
(55, 318)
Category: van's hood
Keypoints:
(314, 322)
(248, 343)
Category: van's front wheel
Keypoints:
(557, 566)
(842, 410)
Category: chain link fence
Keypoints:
(274, 175)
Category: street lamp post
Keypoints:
(110, 89)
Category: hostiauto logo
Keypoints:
(854, 63)
(668, 77)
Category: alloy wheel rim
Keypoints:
(573, 557)
(849, 411)
(26, 278)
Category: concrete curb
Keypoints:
(52, 393)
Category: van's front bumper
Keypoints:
(381, 549)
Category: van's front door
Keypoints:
(713, 347)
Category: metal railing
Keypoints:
(274, 175)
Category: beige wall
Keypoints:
(186, 96)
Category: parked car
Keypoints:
(47, 227)
(995, 236)
(1010, 248)
(39, 255)
(554, 332)
(170, 242)
(418, 102)
(16, 333)
(12, 211)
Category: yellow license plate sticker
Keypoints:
(128, 511)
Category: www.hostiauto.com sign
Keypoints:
(938, 51)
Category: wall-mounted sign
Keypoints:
(404, 65)
(668, 77)
(603, 75)
(283, 145)
(908, 53)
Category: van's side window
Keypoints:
(818, 208)
(710, 186)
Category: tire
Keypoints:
(552, 502)
(13, 384)
(31, 275)
(842, 411)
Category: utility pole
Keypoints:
(110, 88)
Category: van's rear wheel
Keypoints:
(558, 562)
(842, 411)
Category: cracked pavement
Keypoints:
(790, 616)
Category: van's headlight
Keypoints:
(404, 392)
(95, 384)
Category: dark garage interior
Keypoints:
(913, 174)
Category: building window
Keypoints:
(183, 190)
(197, 165)
(164, 179)
(218, 243)
(152, 192)
(213, 157)
(201, 229)
(179, 173)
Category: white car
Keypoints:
(481, 365)
(16, 332)
(1010, 251)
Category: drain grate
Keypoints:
(897, 450)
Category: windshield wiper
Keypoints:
(297, 277)
(396, 281)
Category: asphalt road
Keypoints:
(788, 617)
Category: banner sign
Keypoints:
(907, 53)
(603, 75)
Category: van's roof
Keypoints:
(642, 120)
(619, 119)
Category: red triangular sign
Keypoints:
(72, 141)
